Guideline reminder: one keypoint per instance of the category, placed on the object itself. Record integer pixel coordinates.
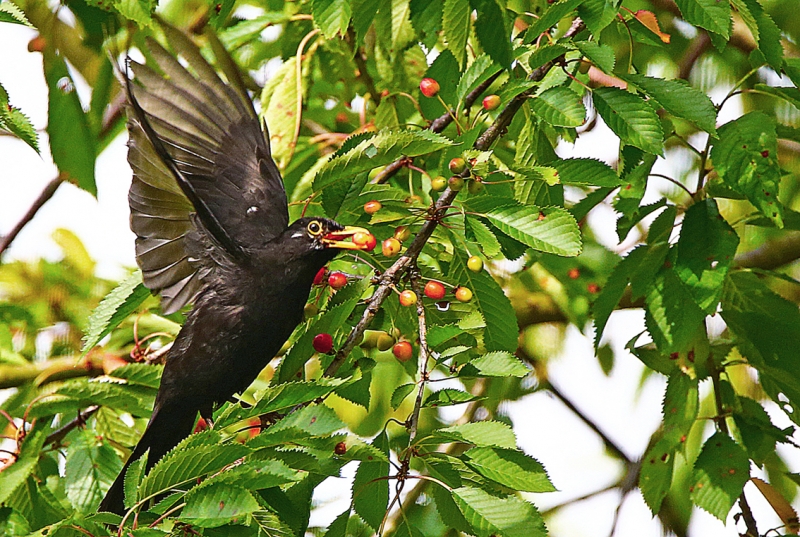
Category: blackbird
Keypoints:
(210, 214)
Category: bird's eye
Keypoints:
(314, 228)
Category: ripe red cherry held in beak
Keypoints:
(336, 238)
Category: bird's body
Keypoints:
(211, 219)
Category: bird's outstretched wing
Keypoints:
(196, 146)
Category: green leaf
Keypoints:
(217, 504)
(510, 468)
(370, 488)
(764, 30)
(483, 236)
(385, 147)
(746, 157)
(71, 140)
(559, 106)
(11, 118)
(194, 457)
(114, 308)
(331, 16)
(681, 403)
(788, 94)
(585, 171)
(705, 253)
(280, 106)
(126, 398)
(308, 422)
(140, 374)
(679, 99)
(655, 477)
(9, 12)
(482, 434)
(556, 233)
(555, 12)
(598, 14)
(492, 515)
(758, 434)
(495, 364)
(709, 14)
(400, 393)
(671, 316)
(763, 322)
(448, 397)
(456, 24)
(601, 56)
(633, 120)
(139, 11)
(90, 469)
(478, 72)
(402, 31)
(492, 32)
(133, 479)
(719, 475)
(501, 330)
(16, 474)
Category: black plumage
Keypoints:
(210, 214)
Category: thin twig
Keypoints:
(47, 193)
(57, 436)
(422, 363)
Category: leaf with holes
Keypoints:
(719, 475)
(746, 157)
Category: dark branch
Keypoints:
(47, 193)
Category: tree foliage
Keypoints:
(710, 83)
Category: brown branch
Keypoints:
(363, 75)
(47, 193)
(13, 375)
(422, 363)
(58, 435)
(772, 254)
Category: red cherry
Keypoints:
(403, 351)
(390, 247)
(337, 280)
(491, 102)
(408, 298)
(429, 87)
(320, 277)
(366, 240)
(322, 343)
(372, 207)
(434, 290)
(340, 449)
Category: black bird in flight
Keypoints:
(210, 214)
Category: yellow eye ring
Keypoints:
(314, 228)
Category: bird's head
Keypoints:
(316, 233)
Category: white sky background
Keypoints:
(572, 454)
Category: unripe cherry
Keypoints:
(438, 183)
(457, 165)
(390, 247)
(367, 240)
(455, 183)
(408, 298)
(372, 207)
(491, 102)
(475, 263)
(463, 294)
(402, 233)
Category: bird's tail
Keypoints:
(168, 425)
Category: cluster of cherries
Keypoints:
(435, 290)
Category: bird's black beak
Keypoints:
(335, 239)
